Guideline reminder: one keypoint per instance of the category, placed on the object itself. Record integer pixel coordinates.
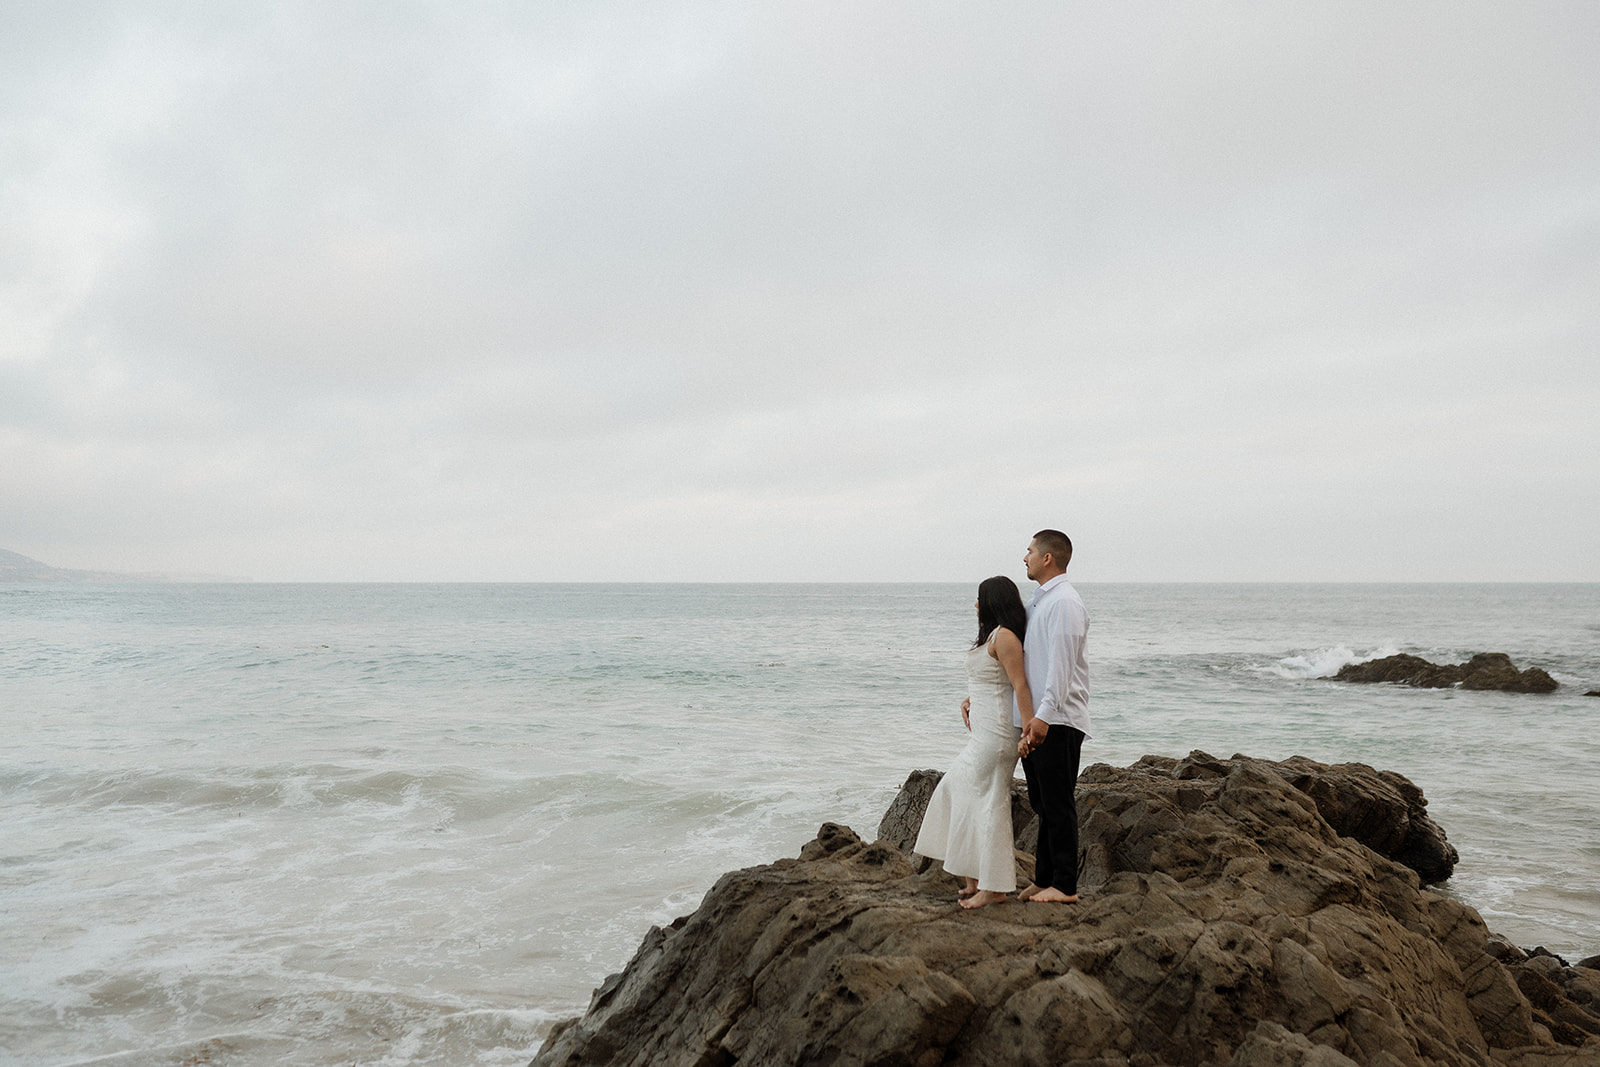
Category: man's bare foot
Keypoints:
(1027, 894)
(1051, 895)
(982, 898)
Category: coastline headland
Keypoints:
(15, 567)
(1237, 912)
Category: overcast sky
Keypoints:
(801, 291)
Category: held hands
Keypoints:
(966, 714)
(1032, 736)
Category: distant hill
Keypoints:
(15, 567)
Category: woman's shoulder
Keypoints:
(1003, 638)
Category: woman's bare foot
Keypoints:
(967, 890)
(1051, 895)
(982, 898)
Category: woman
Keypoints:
(968, 821)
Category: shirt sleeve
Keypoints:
(1046, 637)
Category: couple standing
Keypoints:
(1034, 705)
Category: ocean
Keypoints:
(416, 824)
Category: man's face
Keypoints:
(1035, 561)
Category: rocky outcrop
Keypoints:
(1565, 999)
(1225, 920)
(1486, 670)
(903, 819)
(1381, 809)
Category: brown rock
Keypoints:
(901, 821)
(1225, 920)
(903, 818)
(1270, 1045)
(1545, 1057)
(1565, 1000)
(1504, 950)
(1494, 670)
(1404, 669)
(1381, 809)
(1486, 670)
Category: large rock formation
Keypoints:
(1486, 670)
(1382, 809)
(1230, 915)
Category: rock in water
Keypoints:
(1225, 920)
(1486, 670)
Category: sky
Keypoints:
(818, 291)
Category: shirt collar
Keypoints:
(1051, 584)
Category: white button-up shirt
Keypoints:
(1054, 658)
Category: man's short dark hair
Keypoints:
(1057, 544)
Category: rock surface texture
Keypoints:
(1486, 670)
(1234, 913)
(1383, 810)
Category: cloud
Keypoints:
(366, 291)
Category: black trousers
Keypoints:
(1052, 773)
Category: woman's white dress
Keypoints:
(968, 822)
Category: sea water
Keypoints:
(416, 824)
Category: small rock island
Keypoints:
(1238, 912)
(1486, 670)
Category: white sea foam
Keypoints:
(1323, 662)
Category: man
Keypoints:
(1052, 741)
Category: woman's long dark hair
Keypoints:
(999, 604)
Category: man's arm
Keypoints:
(1046, 640)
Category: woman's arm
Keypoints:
(1008, 651)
